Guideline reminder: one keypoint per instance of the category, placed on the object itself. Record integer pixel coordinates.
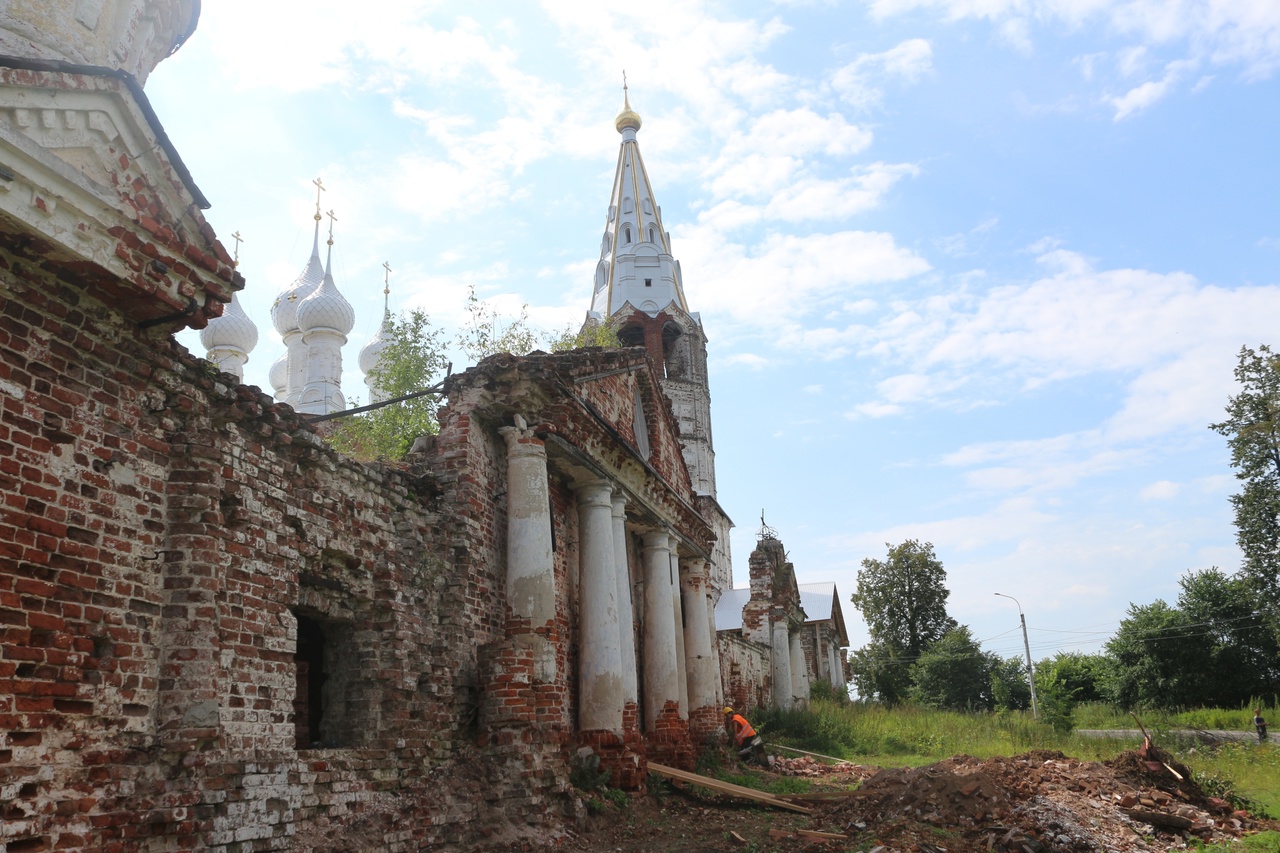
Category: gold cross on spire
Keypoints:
(235, 262)
(386, 289)
(319, 189)
(625, 100)
(332, 219)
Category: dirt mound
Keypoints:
(1036, 802)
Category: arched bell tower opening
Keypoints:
(675, 351)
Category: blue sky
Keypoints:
(973, 271)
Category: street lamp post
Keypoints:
(1031, 668)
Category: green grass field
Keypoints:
(910, 736)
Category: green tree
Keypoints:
(413, 360)
(1252, 429)
(1076, 675)
(903, 600)
(1215, 648)
(590, 335)
(1010, 690)
(953, 674)
(1236, 626)
(1158, 659)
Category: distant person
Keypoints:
(749, 745)
(1259, 724)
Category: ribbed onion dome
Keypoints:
(628, 117)
(284, 312)
(371, 353)
(326, 308)
(233, 330)
(279, 375)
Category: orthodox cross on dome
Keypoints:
(386, 289)
(320, 187)
(332, 219)
(235, 261)
(765, 532)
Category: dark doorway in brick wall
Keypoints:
(324, 666)
(308, 702)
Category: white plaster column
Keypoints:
(821, 657)
(599, 642)
(660, 670)
(626, 613)
(702, 666)
(780, 660)
(714, 639)
(531, 584)
(833, 666)
(799, 672)
(677, 617)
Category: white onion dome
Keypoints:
(326, 308)
(232, 331)
(279, 376)
(371, 353)
(284, 311)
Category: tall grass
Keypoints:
(1099, 715)
(873, 734)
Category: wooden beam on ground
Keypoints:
(814, 754)
(726, 788)
(811, 834)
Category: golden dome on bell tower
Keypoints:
(628, 117)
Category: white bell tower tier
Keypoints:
(639, 291)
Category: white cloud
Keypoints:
(784, 277)
(1161, 490)
(1140, 97)
(862, 81)
(746, 359)
(1239, 33)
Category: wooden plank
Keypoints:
(807, 833)
(726, 788)
(814, 754)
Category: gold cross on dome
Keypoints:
(386, 280)
(332, 219)
(319, 189)
(236, 260)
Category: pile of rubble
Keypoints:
(1037, 802)
(806, 766)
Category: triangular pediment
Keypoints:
(95, 176)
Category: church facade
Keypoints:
(216, 632)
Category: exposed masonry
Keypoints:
(185, 557)
(216, 633)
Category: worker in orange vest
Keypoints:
(749, 745)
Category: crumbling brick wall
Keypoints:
(163, 534)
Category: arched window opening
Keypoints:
(653, 234)
(675, 351)
(631, 336)
(626, 236)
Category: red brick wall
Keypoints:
(159, 530)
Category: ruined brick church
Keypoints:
(216, 632)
